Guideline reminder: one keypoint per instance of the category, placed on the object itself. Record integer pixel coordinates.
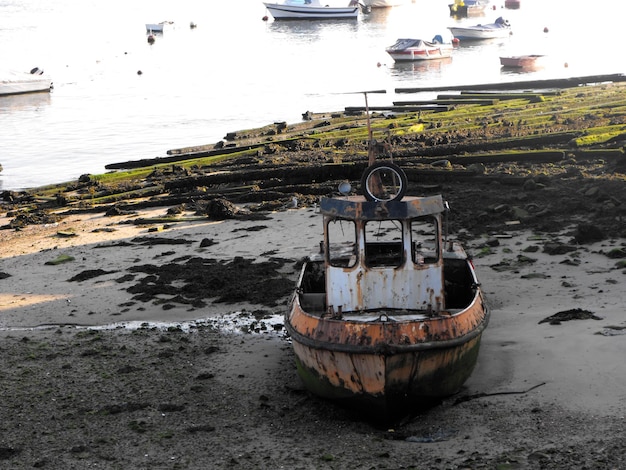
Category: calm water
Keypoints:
(236, 71)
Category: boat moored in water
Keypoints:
(19, 83)
(388, 315)
(383, 3)
(312, 10)
(467, 8)
(406, 49)
(527, 61)
(500, 28)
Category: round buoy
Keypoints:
(139, 72)
(545, 30)
(151, 39)
(265, 18)
(455, 41)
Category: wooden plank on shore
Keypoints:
(528, 84)
(449, 102)
(398, 109)
(520, 94)
(148, 162)
(491, 95)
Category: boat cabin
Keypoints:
(383, 257)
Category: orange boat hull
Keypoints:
(387, 368)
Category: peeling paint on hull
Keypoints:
(387, 386)
(386, 379)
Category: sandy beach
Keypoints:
(99, 372)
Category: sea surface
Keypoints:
(116, 97)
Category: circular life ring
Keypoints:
(383, 181)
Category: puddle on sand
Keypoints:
(239, 322)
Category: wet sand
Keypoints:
(213, 384)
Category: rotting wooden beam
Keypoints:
(491, 95)
(458, 99)
(521, 85)
(400, 109)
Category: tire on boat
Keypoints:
(384, 181)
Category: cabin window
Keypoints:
(383, 243)
(341, 242)
(424, 236)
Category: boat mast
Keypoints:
(370, 144)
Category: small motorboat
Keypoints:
(383, 3)
(500, 28)
(418, 49)
(522, 61)
(512, 4)
(388, 315)
(311, 10)
(467, 8)
(17, 83)
(152, 28)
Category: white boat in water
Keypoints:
(383, 3)
(500, 28)
(158, 27)
(407, 49)
(311, 10)
(17, 83)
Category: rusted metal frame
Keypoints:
(358, 209)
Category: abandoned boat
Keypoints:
(388, 315)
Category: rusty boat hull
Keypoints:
(386, 357)
(386, 367)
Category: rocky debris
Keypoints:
(586, 233)
(572, 314)
(37, 217)
(220, 209)
(89, 274)
(195, 280)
